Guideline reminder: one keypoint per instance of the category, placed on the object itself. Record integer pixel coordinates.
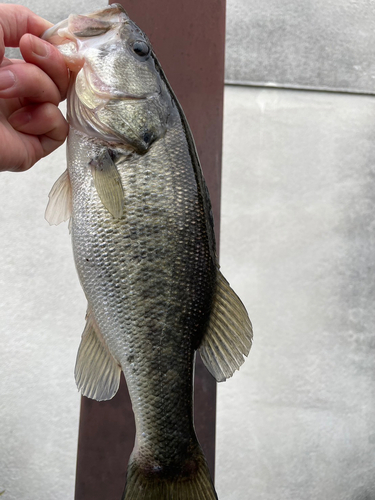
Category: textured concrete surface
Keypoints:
(310, 43)
(298, 246)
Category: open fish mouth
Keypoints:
(75, 37)
(114, 76)
(72, 35)
(84, 26)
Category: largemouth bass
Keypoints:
(144, 248)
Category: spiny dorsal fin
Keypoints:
(97, 373)
(229, 333)
(108, 183)
(59, 207)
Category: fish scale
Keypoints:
(144, 248)
(146, 312)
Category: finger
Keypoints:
(8, 62)
(42, 129)
(48, 58)
(40, 119)
(29, 82)
(16, 20)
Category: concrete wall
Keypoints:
(297, 245)
(318, 44)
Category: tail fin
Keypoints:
(148, 484)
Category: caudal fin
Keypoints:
(150, 484)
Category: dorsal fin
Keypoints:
(229, 333)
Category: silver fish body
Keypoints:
(144, 248)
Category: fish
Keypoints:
(144, 247)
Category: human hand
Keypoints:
(31, 125)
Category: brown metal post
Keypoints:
(188, 38)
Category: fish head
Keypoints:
(117, 92)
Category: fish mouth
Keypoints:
(72, 34)
(75, 24)
(53, 36)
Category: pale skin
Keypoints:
(31, 125)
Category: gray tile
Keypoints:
(322, 44)
(298, 246)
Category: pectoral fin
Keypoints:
(108, 183)
(97, 373)
(229, 333)
(59, 207)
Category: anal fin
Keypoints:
(97, 373)
(229, 333)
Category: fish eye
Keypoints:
(141, 48)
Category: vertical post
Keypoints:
(188, 38)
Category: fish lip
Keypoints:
(52, 32)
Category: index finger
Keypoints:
(15, 21)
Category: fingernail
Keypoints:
(7, 79)
(41, 48)
(19, 119)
